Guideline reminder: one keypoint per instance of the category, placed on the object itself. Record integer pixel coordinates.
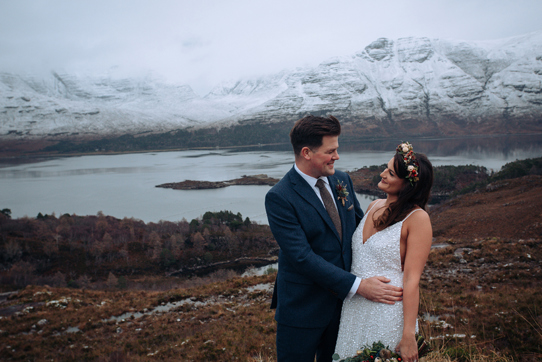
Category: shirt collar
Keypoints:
(310, 180)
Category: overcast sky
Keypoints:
(202, 43)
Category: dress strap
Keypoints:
(376, 203)
(412, 212)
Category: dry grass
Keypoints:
(485, 295)
(212, 324)
(490, 313)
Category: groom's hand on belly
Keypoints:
(377, 289)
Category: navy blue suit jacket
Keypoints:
(314, 265)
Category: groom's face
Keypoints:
(323, 158)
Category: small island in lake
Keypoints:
(201, 185)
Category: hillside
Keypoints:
(508, 209)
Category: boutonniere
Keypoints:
(341, 191)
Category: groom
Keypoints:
(313, 222)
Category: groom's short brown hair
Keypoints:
(309, 130)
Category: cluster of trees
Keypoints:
(520, 168)
(450, 181)
(75, 249)
(455, 180)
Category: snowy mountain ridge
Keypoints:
(432, 86)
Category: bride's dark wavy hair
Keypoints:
(411, 195)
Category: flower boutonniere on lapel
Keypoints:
(341, 191)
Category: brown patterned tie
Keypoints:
(330, 206)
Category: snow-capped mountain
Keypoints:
(68, 104)
(420, 85)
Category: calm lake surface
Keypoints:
(124, 185)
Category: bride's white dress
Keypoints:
(362, 321)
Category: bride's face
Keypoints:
(391, 183)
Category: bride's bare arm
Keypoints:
(415, 253)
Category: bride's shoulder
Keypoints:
(373, 204)
(417, 215)
(418, 225)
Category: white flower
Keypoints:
(405, 148)
(410, 168)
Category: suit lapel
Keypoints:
(306, 192)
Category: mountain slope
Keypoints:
(436, 85)
(406, 86)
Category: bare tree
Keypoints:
(58, 280)
(112, 281)
(198, 241)
(22, 273)
(13, 250)
(83, 281)
(50, 248)
(156, 244)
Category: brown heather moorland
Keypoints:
(480, 298)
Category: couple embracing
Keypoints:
(346, 280)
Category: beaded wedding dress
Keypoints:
(362, 321)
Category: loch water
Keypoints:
(123, 185)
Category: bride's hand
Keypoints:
(408, 349)
(378, 290)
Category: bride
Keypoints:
(392, 240)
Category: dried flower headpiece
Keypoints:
(411, 163)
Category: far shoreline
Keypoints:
(8, 159)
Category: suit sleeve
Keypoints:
(295, 247)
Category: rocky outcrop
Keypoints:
(202, 185)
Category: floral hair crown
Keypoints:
(411, 163)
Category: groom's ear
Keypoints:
(306, 153)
